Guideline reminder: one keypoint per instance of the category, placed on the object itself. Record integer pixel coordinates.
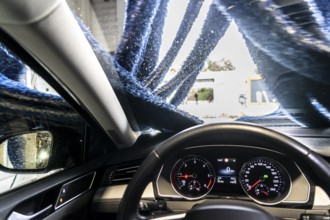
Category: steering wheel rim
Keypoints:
(219, 134)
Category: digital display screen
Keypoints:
(226, 171)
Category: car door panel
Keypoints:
(37, 196)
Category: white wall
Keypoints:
(227, 87)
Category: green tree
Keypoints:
(220, 65)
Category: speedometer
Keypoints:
(265, 180)
(192, 177)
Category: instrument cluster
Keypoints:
(206, 172)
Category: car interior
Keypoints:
(113, 109)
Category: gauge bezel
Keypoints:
(277, 163)
(193, 198)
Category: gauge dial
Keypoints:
(192, 177)
(265, 180)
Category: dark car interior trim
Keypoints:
(45, 191)
(74, 189)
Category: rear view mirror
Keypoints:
(26, 152)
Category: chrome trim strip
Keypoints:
(164, 195)
(42, 213)
(90, 186)
(171, 217)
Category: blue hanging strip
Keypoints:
(149, 59)
(103, 56)
(293, 90)
(214, 27)
(145, 103)
(155, 77)
(183, 90)
(271, 31)
(321, 13)
(139, 17)
(17, 99)
(10, 66)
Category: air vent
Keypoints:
(121, 174)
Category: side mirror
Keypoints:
(29, 152)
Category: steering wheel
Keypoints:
(221, 134)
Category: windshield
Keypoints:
(218, 60)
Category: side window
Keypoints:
(40, 133)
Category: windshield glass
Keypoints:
(217, 60)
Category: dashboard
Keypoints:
(198, 171)
(239, 172)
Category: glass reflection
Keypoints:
(26, 151)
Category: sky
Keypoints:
(231, 46)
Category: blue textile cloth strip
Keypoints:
(286, 43)
(213, 29)
(155, 78)
(149, 61)
(139, 17)
(184, 88)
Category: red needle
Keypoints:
(209, 184)
(256, 183)
(266, 193)
(185, 176)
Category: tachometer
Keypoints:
(192, 177)
(265, 180)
